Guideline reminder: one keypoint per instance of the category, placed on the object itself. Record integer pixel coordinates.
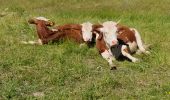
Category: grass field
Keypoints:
(64, 70)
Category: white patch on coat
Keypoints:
(87, 31)
(97, 35)
(133, 46)
(133, 59)
(54, 30)
(42, 18)
(24, 42)
(29, 42)
(139, 41)
(107, 56)
(109, 30)
(39, 42)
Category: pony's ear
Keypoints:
(31, 21)
(98, 32)
(52, 23)
(100, 36)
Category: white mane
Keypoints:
(42, 18)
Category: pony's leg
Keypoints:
(125, 53)
(139, 41)
(109, 58)
(39, 42)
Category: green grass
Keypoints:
(66, 71)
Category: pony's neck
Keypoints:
(43, 31)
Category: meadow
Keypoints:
(64, 71)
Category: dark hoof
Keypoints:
(113, 68)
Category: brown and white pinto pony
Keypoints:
(110, 35)
(76, 32)
(129, 36)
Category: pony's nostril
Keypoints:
(87, 39)
(114, 42)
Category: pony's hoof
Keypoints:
(113, 68)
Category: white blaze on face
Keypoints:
(109, 30)
(42, 18)
(87, 31)
(97, 35)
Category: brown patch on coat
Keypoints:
(125, 34)
(100, 43)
